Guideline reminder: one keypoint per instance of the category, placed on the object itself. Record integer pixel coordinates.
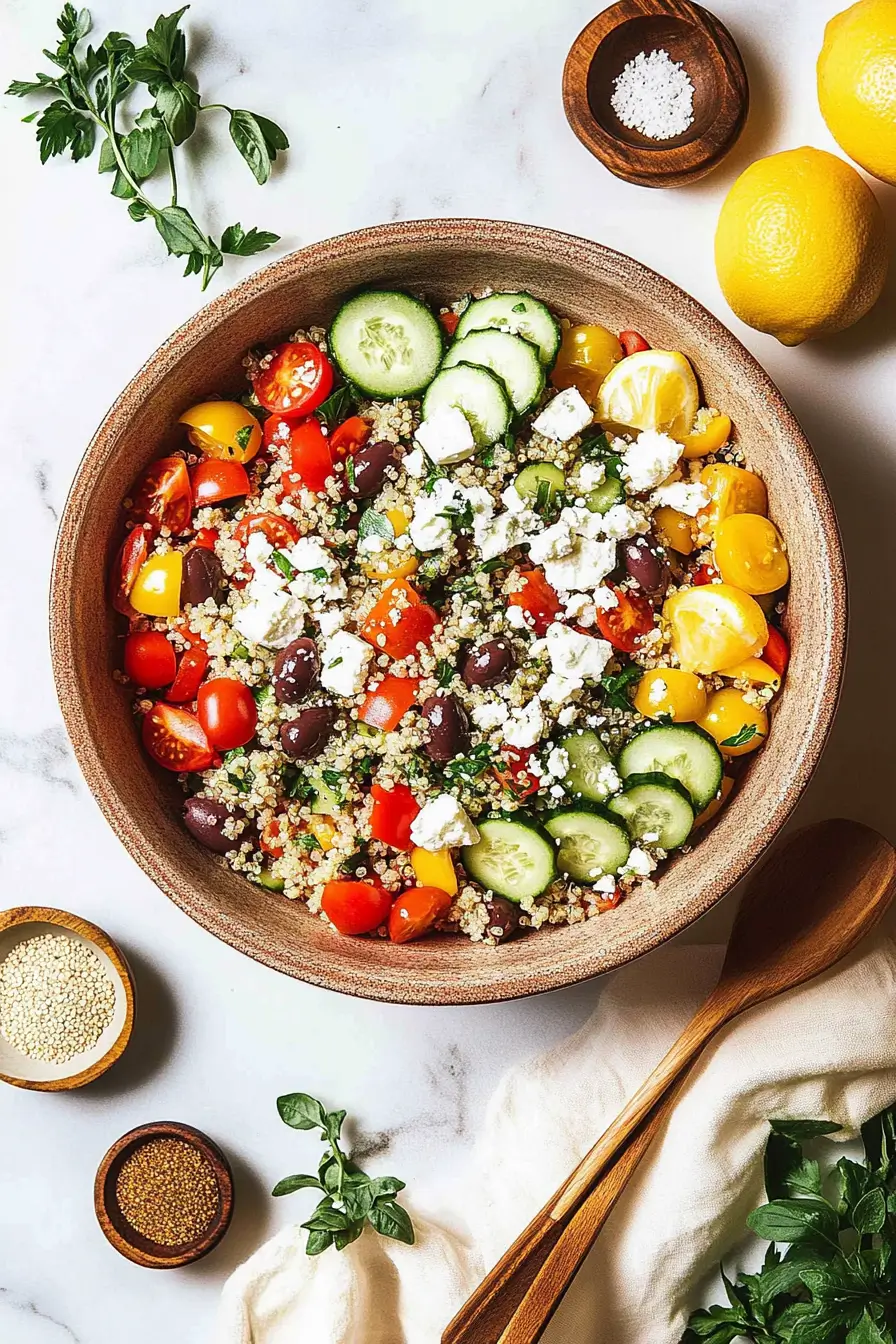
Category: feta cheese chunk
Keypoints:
(430, 527)
(491, 714)
(580, 608)
(591, 475)
(446, 436)
(554, 542)
(524, 726)
(496, 535)
(685, 496)
(558, 763)
(564, 417)
(512, 499)
(649, 460)
(318, 571)
(344, 660)
(330, 620)
(270, 616)
(586, 566)
(443, 824)
(414, 463)
(638, 864)
(622, 521)
(575, 656)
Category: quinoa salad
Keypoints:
(454, 621)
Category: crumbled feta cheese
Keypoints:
(580, 608)
(331, 620)
(553, 543)
(516, 618)
(567, 715)
(622, 521)
(684, 496)
(270, 616)
(415, 464)
(512, 499)
(446, 436)
(557, 690)
(639, 863)
(588, 563)
(608, 778)
(605, 599)
(430, 527)
(372, 544)
(576, 656)
(606, 885)
(258, 550)
(496, 535)
(649, 460)
(524, 726)
(442, 824)
(344, 660)
(564, 417)
(558, 763)
(491, 714)
(591, 475)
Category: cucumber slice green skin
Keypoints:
(386, 343)
(540, 478)
(657, 807)
(510, 358)
(520, 313)
(591, 843)
(682, 751)
(267, 880)
(513, 857)
(479, 394)
(326, 801)
(588, 757)
(603, 497)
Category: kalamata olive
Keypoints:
(366, 474)
(645, 565)
(205, 819)
(296, 669)
(308, 734)
(449, 732)
(203, 576)
(488, 663)
(503, 919)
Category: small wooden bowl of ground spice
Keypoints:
(66, 1000)
(657, 90)
(164, 1195)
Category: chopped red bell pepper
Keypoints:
(449, 322)
(777, 651)
(632, 342)
(399, 621)
(387, 705)
(393, 811)
(515, 775)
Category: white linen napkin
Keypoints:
(825, 1051)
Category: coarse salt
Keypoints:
(654, 95)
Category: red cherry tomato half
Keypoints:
(149, 659)
(703, 575)
(175, 739)
(206, 538)
(386, 706)
(296, 379)
(128, 563)
(349, 437)
(632, 342)
(514, 775)
(227, 712)
(216, 479)
(537, 599)
(162, 496)
(278, 531)
(393, 811)
(271, 839)
(190, 671)
(624, 624)
(449, 322)
(776, 652)
(416, 911)
(355, 907)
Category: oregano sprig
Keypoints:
(90, 91)
(351, 1199)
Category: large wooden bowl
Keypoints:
(442, 258)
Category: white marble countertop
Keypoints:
(396, 109)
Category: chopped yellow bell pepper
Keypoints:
(434, 868)
(323, 831)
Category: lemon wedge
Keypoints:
(653, 389)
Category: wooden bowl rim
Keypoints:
(40, 914)
(103, 1195)
(663, 164)
(382, 981)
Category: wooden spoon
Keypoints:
(812, 902)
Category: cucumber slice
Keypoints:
(512, 857)
(326, 800)
(590, 843)
(540, 481)
(602, 498)
(386, 343)
(591, 773)
(684, 752)
(476, 392)
(656, 809)
(267, 880)
(520, 314)
(514, 360)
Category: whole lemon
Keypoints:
(801, 245)
(857, 84)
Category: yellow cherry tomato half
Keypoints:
(715, 805)
(731, 490)
(433, 868)
(386, 568)
(755, 671)
(223, 429)
(714, 626)
(749, 553)
(400, 523)
(738, 727)
(587, 354)
(669, 690)
(156, 590)
(674, 530)
(323, 831)
(714, 434)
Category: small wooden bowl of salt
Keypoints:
(657, 90)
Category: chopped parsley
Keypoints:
(336, 407)
(744, 734)
(295, 785)
(319, 574)
(288, 570)
(240, 651)
(262, 694)
(471, 766)
(615, 686)
(445, 672)
(243, 436)
(309, 842)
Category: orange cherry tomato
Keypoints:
(227, 712)
(632, 342)
(416, 911)
(387, 705)
(609, 902)
(310, 461)
(217, 479)
(355, 907)
(162, 496)
(128, 563)
(191, 669)
(149, 659)
(626, 623)
(777, 651)
(351, 435)
(175, 739)
(393, 811)
(537, 599)
(280, 532)
(399, 621)
(295, 379)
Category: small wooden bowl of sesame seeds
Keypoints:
(66, 1000)
(657, 90)
(163, 1195)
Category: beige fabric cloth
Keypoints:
(828, 1050)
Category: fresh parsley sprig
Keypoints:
(351, 1198)
(90, 89)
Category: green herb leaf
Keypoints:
(262, 694)
(309, 842)
(319, 1241)
(60, 127)
(258, 140)
(471, 766)
(237, 243)
(178, 106)
(143, 146)
(799, 1130)
(287, 569)
(290, 1184)
(180, 232)
(391, 1220)
(744, 734)
(870, 1213)
(332, 777)
(300, 1111)
(375, 524)
(869, 1332)
(518, 308)
(445, 672)
(614, 686)
(336, 408)
(794, 1220)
